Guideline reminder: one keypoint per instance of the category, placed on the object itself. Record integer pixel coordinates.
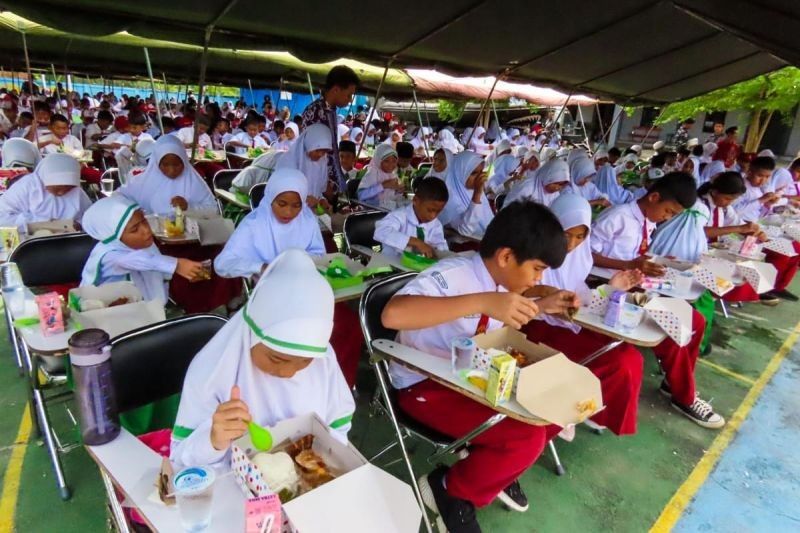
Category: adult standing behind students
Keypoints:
(340, 86)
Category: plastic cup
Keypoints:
(630, 317)
(194, 491)
(107, 185)
(461, 352)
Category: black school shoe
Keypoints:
(454, 515)
(514, 498)
(769, 298)
(700, 411)
(786, 295)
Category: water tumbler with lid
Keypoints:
(90, 355)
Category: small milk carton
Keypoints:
(263, 514)
(501, 378)
(51, 320)
(614, 311)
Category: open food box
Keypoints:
(545, 381)
(52, 227)
(338, 489)
(672, 315)
(114, 307)
(206, 227)
(342, 271)
(717, 274)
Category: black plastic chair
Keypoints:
(359, 229)
(499, 201)
(256, 194)
(50, 260)
(351, 189)
(223, 179)
(149, 364)
(54, 259)
(370, 308)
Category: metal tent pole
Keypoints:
(310, 86)
(372, 111)
(203, 66)
(34, 126)
(153, 88)
(419, 117)
(252, 96)
(480, 113)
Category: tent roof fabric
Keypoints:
(120, 54)
(636, 51)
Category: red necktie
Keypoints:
(644, 246)
(715, 222)
(483, 323)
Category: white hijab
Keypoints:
(572, 211)
(448, 141)
(105, 222)
(375, 175)
(153, 191)
(289, 311)
(355, 134)
(19, 152)
(273, 236)
(533, 188)
(314, 137)
(448, 156)
(458, 170)
(29, 201)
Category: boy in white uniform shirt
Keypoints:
(186, 135)
(249, 138)
(459, 297)
(416, 226)
(620, 240)
(758, 198)
(59, 138)
(98, 129)
(137, 123)
(347, 159)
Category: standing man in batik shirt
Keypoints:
(340, 86)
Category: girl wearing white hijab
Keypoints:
(441, 160)
(620, 372)
(503, 167)
(258, 172)
(19, 152)
(342, 133)
(544, 186)
(290, 135)
(126, 251)
(448, 141)
(467, 211)
(607, 184)
(281, 221)
(380, 183)
(356, 134)
(271, 362)
(583, 171)
(308, 154)
(478, 144)
(51, 192)
(169, 180)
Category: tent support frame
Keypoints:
(153, 88)
(419, 117)
(483, 108)
(374, 107)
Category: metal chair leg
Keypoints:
(117, 513)
(554, 453)
(398, 433)
(46, 430)
(14, 341)
(724, 308)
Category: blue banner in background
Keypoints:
(296, 102)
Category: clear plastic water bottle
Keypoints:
(13, 288)
(90, 356)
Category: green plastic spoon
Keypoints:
(261, 437)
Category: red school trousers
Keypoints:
(497, 457)
(346, 340)
(678, 362)
(619, 371)
(786, 266)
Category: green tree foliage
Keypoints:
(762, 96)
(451, 111)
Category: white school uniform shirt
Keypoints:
(71, 145)
(454, 276)
(720, 217)
(90, 131)
(748, 205)
(126, 140)
(186, 135)
(618, 232)
(252, 142)
(394, 230)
